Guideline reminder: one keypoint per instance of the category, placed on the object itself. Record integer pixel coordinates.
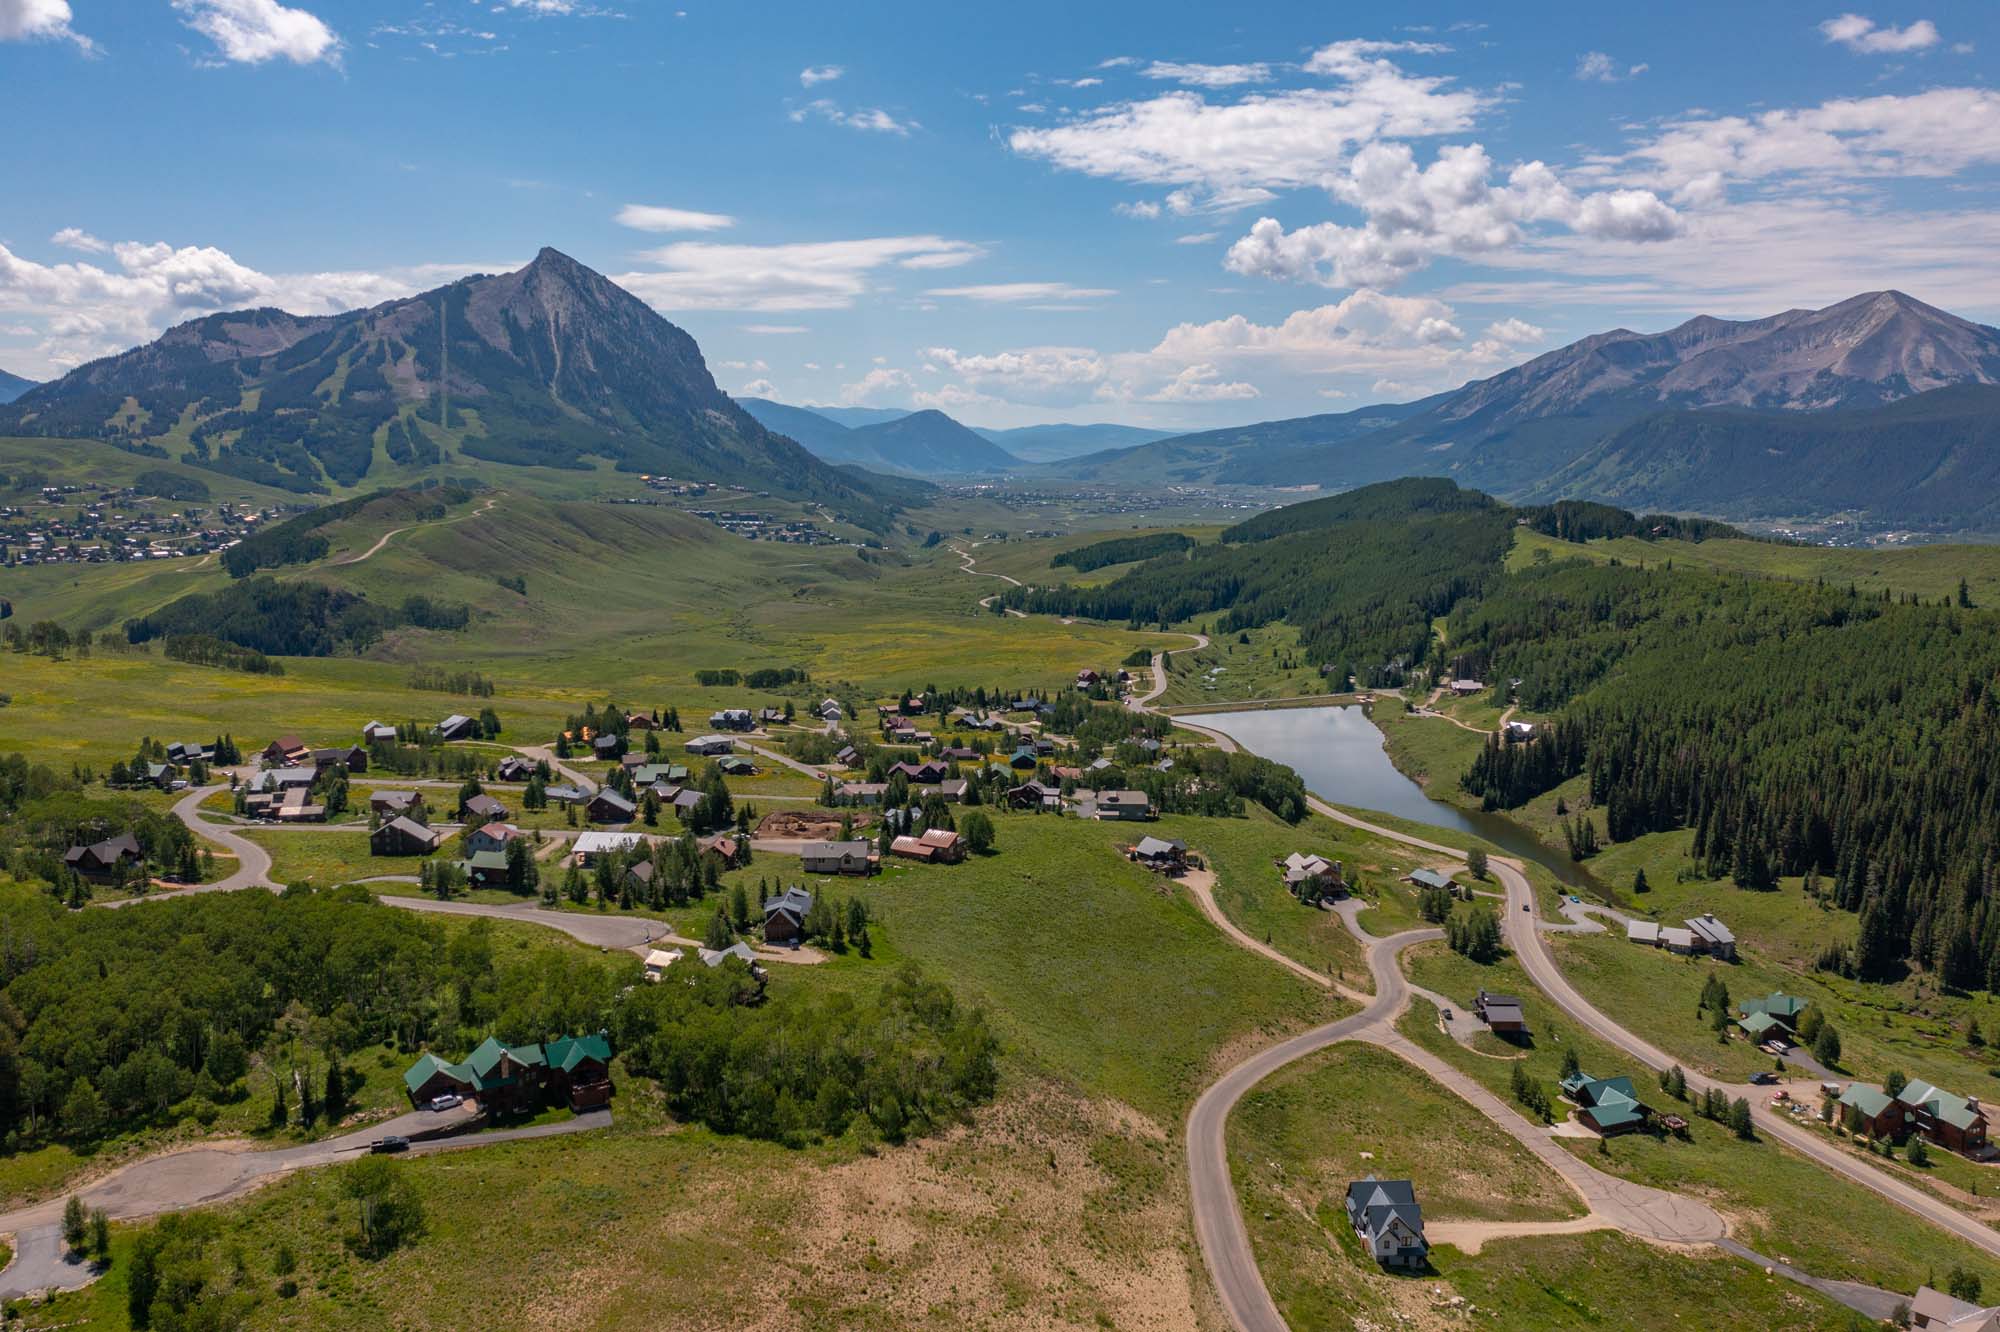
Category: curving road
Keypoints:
(1652, 1214)
(253, 862)
(195, 1176)
(383, 540)
(1529, 945)
(1523, 926)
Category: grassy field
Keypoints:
(1927, 571)
(1299, 1138)
(624, 601)
(1115, 1000)
(1029, 559)
(1229, 670)
(1846, 1232)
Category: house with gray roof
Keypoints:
(854, 857)
(1938, 1312)
(1712, 937)
(1386, 1217)
(785, 915)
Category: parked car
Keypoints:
(1762, 1078)
(391, 1143)
(448, 1101)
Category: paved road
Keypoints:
(1652, 1214)
(253, 862)
(1249, 1307)
(174, 1181)
(1143, 702)
(1532, 949)
(602, 931)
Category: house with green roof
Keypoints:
(1607, 1105)
(505, 1078)
(1874, 1112)
(1780, 1008)
(486, 869)
(1956, 1123)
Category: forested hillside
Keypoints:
(1362, 594)
(1799, 729)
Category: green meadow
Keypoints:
(1298, 1139)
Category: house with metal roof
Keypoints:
(1166, 854)
(1643, 932)
(1711, 936)
(1606, 1105)
(1430, 878)
(1938, 1312)
(1953, 1122)
(1871, 1111)
(1501, 1013)
(1386, 1217)
(1775, 1012)
(505, 1078)
(486, 869)
(785, 915)
(853, 857)
(591, 844)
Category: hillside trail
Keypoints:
(383, 540)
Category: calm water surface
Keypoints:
(1338, 752)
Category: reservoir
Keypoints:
(1338, 753)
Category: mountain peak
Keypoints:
(563, 365)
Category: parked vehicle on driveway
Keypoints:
(1763, 1078)
(448, 1101)
(392, 1143)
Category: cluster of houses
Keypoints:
(100, 533)
(1703, 935)
(505, 1079)
(1104, 806)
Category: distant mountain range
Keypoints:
(930, 443)
(1869, 405)
(13, 386)
(549, 367)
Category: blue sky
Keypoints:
(1178, 216)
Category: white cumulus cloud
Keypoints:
(39, 20)
(250, 32)
(85, 310)
(1450, 208)
(815, 74)
(1867, 37)
(1232, 153)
